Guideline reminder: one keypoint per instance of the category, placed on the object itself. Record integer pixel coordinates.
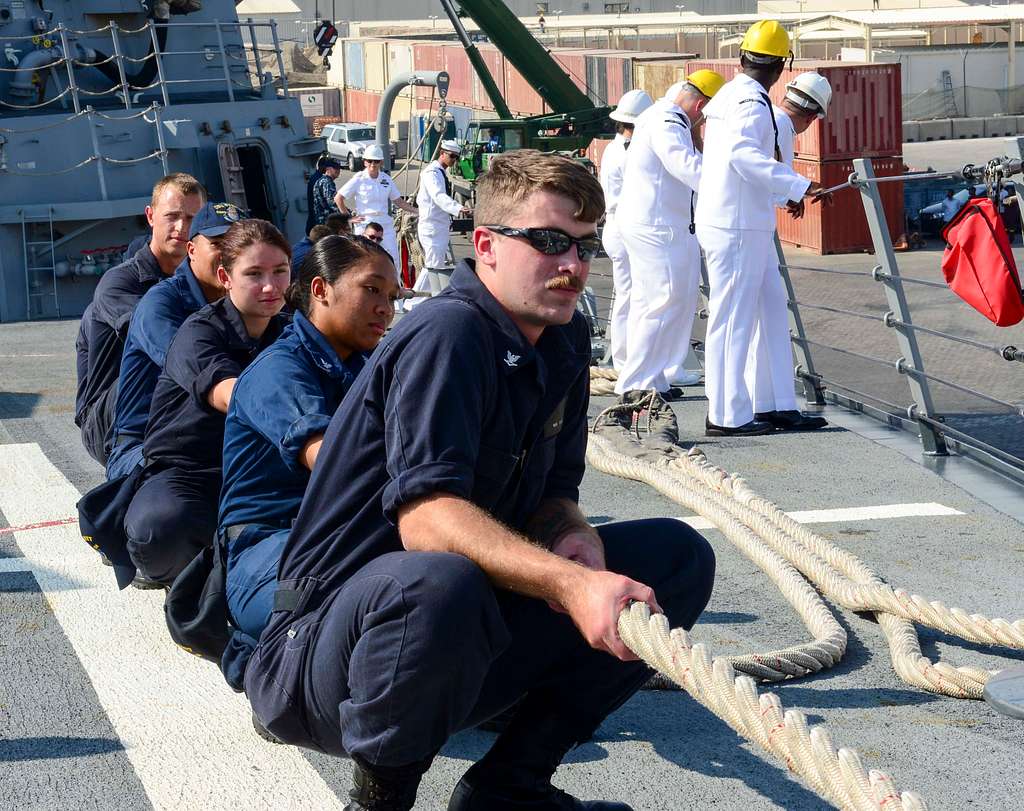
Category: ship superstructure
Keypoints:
(98, 100)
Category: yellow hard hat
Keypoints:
(767, 38)
(706, 81)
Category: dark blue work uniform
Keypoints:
(174, 512)
(310, 208)
(156, 321)
(299, 252)
(283, 399)
(100, 344)
(385, 653)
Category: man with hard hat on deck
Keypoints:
(613, 162)
(436, 209)
(655, 217)
(769, 371)
(741, 181)
(373, 190)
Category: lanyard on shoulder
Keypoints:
(775, 126)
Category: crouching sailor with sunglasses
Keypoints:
(440, 570)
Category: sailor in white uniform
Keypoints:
(436, 209)
(613, 162)
(735, 216)
(654, 216)
(769, 371)
(373, 191)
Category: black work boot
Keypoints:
(515, 775)
(381, 788)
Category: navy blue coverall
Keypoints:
(174, 512)
(155, 322)
(385, 653)
(283, 399)
(100, 343)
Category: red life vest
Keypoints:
(978, 263)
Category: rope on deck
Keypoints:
(788, 552)
(837, 775)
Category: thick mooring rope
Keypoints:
(837, 775)
(788, 552)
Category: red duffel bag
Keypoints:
(978, 263)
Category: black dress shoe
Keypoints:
(752, 428)
(792, 420)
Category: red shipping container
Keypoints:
(865, 118)
(596, 151)
(361, 106)
(521, 98)
(842, 227)
(574, 64)
(495, 61)
(461, 88)
(427, 57)
(619, 72)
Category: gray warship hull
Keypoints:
(97, 103)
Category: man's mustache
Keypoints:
(574, 283)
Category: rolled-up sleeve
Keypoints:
(434, 409)
(286, 414)
(197, 360)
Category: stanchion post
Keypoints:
(805, 371)
(931, 438)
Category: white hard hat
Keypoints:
(448, 145)
(813, 86)
(373, 153)
(674, 90)
(630, 106)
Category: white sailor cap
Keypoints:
(449, 145)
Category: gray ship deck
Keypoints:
(100, 710)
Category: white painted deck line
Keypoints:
(14, 565)
(188, 736)
(926, 509)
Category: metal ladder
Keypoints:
(948, 99)
(40, 279)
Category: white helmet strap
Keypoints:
(810, 106)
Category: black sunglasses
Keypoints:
(375, 238)
(551, 241)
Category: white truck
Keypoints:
(348, 141)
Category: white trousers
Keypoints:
(390, 242)
(433, 276)
(664, 266)
(746, 296)
(770, 372)
(434, 241)
(615, 247)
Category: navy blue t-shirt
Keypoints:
(454, 400)
(283, 399)
(184, 430)
(156, 321)
(105, 326)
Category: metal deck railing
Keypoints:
(985, 422)
(240, 68)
